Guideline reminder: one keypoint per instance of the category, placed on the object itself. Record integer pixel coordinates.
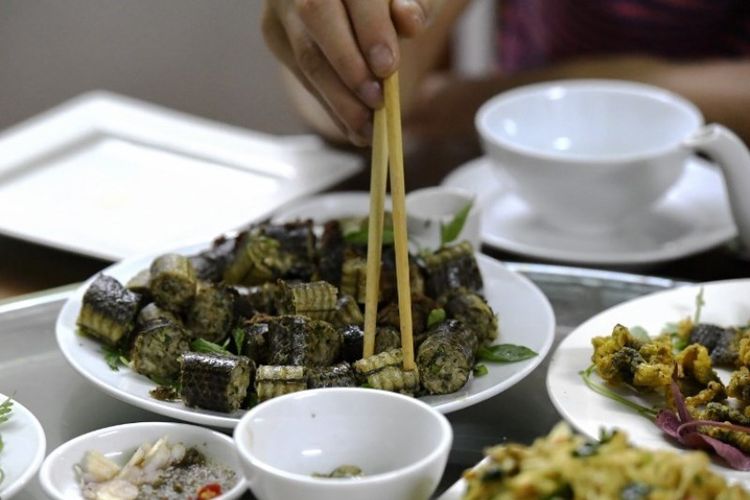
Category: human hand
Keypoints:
(340, 49)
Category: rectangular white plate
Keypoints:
(109, 176)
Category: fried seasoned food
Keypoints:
(257, 260)
(299, 340)
(212, 312)
(157, 349)
(260, 299)
(473, 311)
(421, 306)
(565, 465)
(385, 371)
(694, 369)
(316, 300)
(173, 282)
(338, 375)
(446, 357)
(622, 358)
(297, 244)
(386, 338)
(722, 343)
(451, 267)
(739, 385)
(108, 310)
(214, 381)
(348, 312)
(273, 381)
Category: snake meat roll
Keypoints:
(385, 371)
(273, 381)
(451, 267)
(299, 340)
(212, 312)
(173, 282)
(338, 375)
(316, 300)
(446, 357)
(157, 349)
(215, 382)
(108, 310)
(473, 311)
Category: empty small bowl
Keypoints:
(430, 210)
(400, 444)
(587, 153)
(59, 479)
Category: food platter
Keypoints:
(525, 317)
(725, 304)
(23, 451)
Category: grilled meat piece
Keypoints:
(451, 267)
(339, 375)
(385, 371)
(299, 340)
(315, 300)
(215, 382)
(473, 311)
(173, 282)
(446, 357)
(157, 349)
(212, 312)
(272, 381)
(108, 310)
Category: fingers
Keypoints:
(411, 17)
(327, 85)
(376, 36)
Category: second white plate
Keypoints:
(726, 304)
(23, 451)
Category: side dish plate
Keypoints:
(726, 303)
(525, 317)
(24, 445)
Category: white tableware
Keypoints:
(59, 479)
(429, 210)
(400, 443)
(585, 154)
(525, 317)
(24, 445)
(726, 303)
(692, 217)
(112, 177)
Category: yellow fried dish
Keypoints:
(564, 465)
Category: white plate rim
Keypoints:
(67, 339)
(678, 248)
(49, 462)
(9, 489)
(557, 383)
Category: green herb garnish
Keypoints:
(480, 370)
(115, 357)
(505, 353)
(239, 339)
(436, 316)
(5, 408)
(450, 231)
(644, 411)
(204, 346)
(359, 237)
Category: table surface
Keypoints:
(26, 268)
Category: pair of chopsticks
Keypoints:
(387, 145)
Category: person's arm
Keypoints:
(719, 87)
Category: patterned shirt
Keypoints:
(534, 33)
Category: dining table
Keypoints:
(35, 281)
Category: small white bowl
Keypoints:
(400, 443)
(23, 451)
(587, 153)
(58, 477)
(429, 209)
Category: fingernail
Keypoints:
(381, 59)
(371, 93)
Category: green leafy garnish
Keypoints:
(205, 346)
(480, 370)
(359, 237)
(450, 231)
(639, 333)
(644, 411)
(366, 386)
(239, 339)
(115, 358)
(5, 408)
(505, 353)
(436, 316)
(699, 303)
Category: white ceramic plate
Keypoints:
(726, 304)
(24, 448)
(58, 477)
(118, 161)
(693, 216)
(525, 317)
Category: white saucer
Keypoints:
(692, 217)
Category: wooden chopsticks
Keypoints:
(387, 146)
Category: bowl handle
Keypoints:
(730, 153)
